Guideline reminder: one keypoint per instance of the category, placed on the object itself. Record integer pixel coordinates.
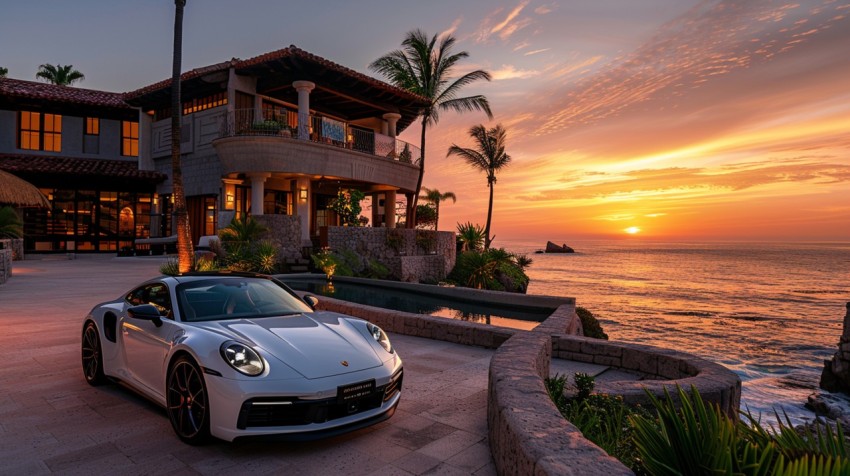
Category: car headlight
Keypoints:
(380, 337)
(242, 358)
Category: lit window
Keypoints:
(39, 131)
(92, 126)
(130, 138)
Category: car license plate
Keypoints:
(347, 393)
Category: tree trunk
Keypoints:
(411, 216)
(184, 234)
(437, 215)
(489, 216)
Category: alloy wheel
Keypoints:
(187, 402)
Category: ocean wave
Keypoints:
(690, 313)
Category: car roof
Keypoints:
(202, 275)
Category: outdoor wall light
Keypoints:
(229, 197)
(302, 194)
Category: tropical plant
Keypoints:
(471, 236)
(602, 419)
(590, 325)
(434, 196)
(243, 230)
(11, 225)
(696, 437)
(347, 206)
(3, 72)
(170, 267)
(244, 250)
(426, 216)
(59, 75)
(329, 262)
(489, 156)
(424, 66)
(181, 213)
(494, 269)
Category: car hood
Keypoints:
(315, 345)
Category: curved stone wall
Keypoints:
(527, 433)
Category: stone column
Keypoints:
(391, 118)
(258, 192)
(304, 88)
(389, 208)
(836, 372)
(302, 209)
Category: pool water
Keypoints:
(400, 300)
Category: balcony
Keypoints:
(286, 142)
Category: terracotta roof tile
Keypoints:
(166, 83)
(63, 94)
(298, 52)
(45, 164)
(291, 51)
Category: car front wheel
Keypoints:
(92, 355)
(186, 397)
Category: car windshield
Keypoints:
(235, 298)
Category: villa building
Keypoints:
(278, 134)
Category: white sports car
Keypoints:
(234, 355)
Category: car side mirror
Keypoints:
(145, 312)
(311, 301)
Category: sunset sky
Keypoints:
(685, 119)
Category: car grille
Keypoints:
(292, 411)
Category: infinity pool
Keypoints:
(401, 300)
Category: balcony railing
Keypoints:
(288, 123)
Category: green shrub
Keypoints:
(696, 437)
(590, 324)
(11, 225)
(494, 269)
(602, 419)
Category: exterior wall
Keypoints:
(198, 132)
(397, 249)
(201, 175)
(72, 138)
(5, 265)
(284, 232)
(8, 130)
(280, 154)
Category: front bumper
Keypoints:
(301, 408)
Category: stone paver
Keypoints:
(51, 421)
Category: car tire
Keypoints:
(92, 355)
(187, 402)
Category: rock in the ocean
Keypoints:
(553, 248)
(836, 372)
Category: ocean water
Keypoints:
(770, 312)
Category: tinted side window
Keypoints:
(154, 293)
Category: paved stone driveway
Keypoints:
(51, 421)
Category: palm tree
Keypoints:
(489, 156)
(434, 196)
(181, 215)
(423, 66)
(3, 72)
(59, 75)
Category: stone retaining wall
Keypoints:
(410, 255)
(5, 265)
(285, 232)
(527, 433)
(16, 245)
(665, 369)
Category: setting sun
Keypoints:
(632, 230)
